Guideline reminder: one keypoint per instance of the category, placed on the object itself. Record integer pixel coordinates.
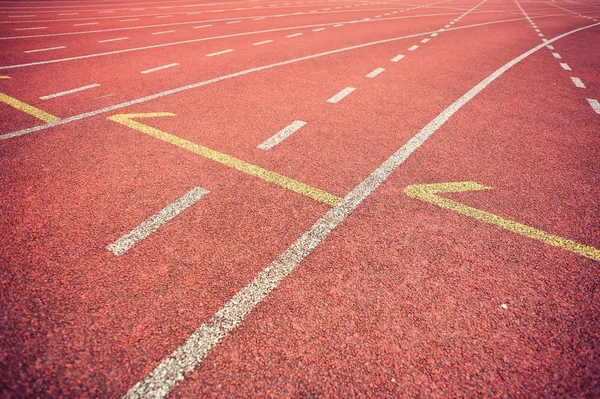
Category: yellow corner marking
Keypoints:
(31, 110)
(257, 171)
(428, 193)
(5, 77)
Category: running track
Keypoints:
(328, 198)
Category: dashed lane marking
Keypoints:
(160, 68)
(156, 221)
(163, 32)
(434, 34)
(129, 20)
(45, 49)
(28, 109)
(67, 92)
(69, 13)
(398, 58)
(577, 82)
(113, 40)
(556, 55)
(201, 26)
(86, 24)
(163, 16)
(263, 42)
(219, 53)
(295, 35)
(425, 40)
(35, 28)
(281, 135)
(565, 66)
(428, 193)
(233, 22)
(375, 72)
(104, 96)
(20, 16)
(318, 29)
(550, 47)
(4, 77)
(413, 48)
(227, 160)
(339, 96)
(594, 104)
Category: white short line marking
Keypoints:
(447, 26)
(86, 24)
(154, 222)
(556, 55)
(163, 32)
(233, 22)
(263, 42)
(413, 48)
(20, 16)
(281, 135)
(537, 30)
(64, 93)
(163, 16)
(219, 53)
(113, 40)
(341, 95)
(375, 72)
(104, 96)
(69, 13)
(159, 68)
(577, 82)
(434, 34)
(424, 40)
(540, 34)
(36, 28)
(128, 20)
(337, 25)
(550, 47)
(295, 34)
(565, 66)
(201, 26)
(318, 29)
(259, 18)
(594, 104)
(45, 49)
(398, 58)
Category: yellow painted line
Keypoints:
(428, 193)
(31, 110)
(4, 77)
(257, 171)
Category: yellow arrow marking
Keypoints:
(428, 192)
(31, 110)
(290, 184)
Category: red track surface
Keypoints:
(402, 299)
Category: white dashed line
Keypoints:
(86, 24)
(233, 22)
(159, 68)
(163, 32)
(294, 35)
(337, 25)
(425, 40)
(154, 222)
(556, 55)
(219, 53)
(263, 42)
(413, 48)
(20, 16)
(113, 40)
(45, 49)
(281, 135)
(398, 58)
(129, 20)
(540, 34)
(341, 95)
(318, 29)
(434, 34)
(36, 28)
(163, 16)
(375, 72)
(565, 66)
(594, 104)
(64, 93)
(259, 18)
(69, 13)
(104, 96)
(577, 82)
(201, 26)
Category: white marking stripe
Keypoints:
(128, 20)
(20, 16)
(594, 104)
(165, 31)
(154, 222)
(263, 42)
(173, 369)
(233, 22)
(112, 40)
(434, 34)
(398, 58)
(556, 55)
(337, 25)
(550, 47)
(201, 26)
(424, 40)
(70, 13)
(294, 35)
(341, 95)
(36, 28)
(318, 29)
(45, 49)
(164, 16)
(281, 135)
(87, 23)
(577, 82)
(159, 68)
(375, 72)
(219, 53)
(413, 48)
(565, 66)
(64, 93)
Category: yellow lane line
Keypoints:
(428, 193)
(29, 109)
(257, 171)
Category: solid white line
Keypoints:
(565, 66)
(164, 31)
(219, 53)
(577, 82)
(86, 24)
(183, 360)
(36, 28)
(556, 55)
(159, 68)
(263, 42)
(112, 40)
(594, 104)
(341, 95)
(64, 93)
(398, 58)
(154, 222)
(375, 72)
(129, 20)
(413, 48)
(45, 49)
(281, 135)
(424, 40)
(295, 34)
(201, 26)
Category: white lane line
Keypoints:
(398, 58)
(163, 16)
(540, 34)
(156, 221)
(577, 82)
(281, 135)
(233, 22)
(341, 95)
(69, 13)
(413, 48)
(20, 16)
(105, 12)
(113, 40)
(36, 28)
(163, 32)
(594, 104)
(295, 34)
(129, 20)
(219, 53)
(159, 68)
(375, 72)
(434, 34)
(182, 361)
(424, 40)
(45, 49)
(263, 42)
(259, 18)
(64, 93)
(318, 29)
(201, 26)
(337, 25)
(565, 66)
(86, 24)
(556, 55)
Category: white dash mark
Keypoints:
(398, 58)
(413, 48)
(565, 66)
(294, 35)
(45, 49)
(201, 26)
(556, 55)
(425, 40)
(154, 222)
(20, 16)
(104, 96)
(341, 95)
(594, 104)
(113, 40)
(219, 53)
(540, 34)
(577, 82)
(164, 16)
(86, 24)
(259, 18)
(36, 28)
(128, 20)
(263, 42)
(281, 135)
(69, 13)
(434, 34)
(318, 29)
(163, 32)
(64, 93)
(233, 22)
(337, 25)
(375, 72)
(159, 68)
